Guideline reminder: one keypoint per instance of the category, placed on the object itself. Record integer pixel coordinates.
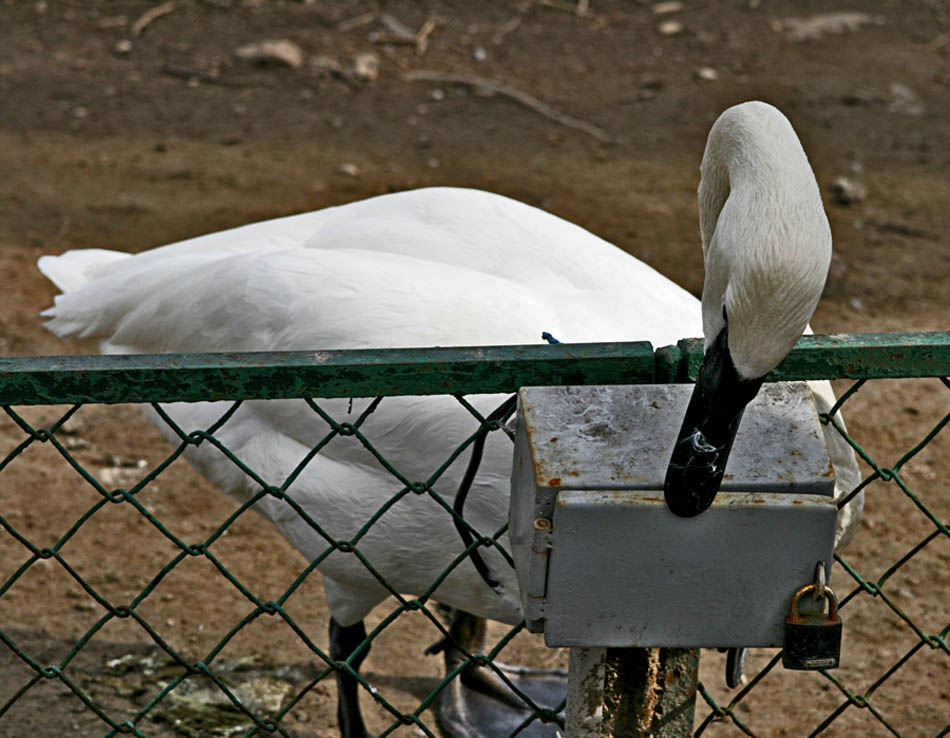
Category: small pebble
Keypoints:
(670, 28)
(366, 66)
(847, 190)
(904, 100)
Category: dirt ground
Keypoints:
(121, 129)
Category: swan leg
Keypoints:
(343, 641)
(469, 632)
(479, 703)
(735, 657)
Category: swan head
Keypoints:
(767, 248)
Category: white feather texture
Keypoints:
(429, 267)
(766, 239)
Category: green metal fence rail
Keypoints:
(56, 380)
(84, 380)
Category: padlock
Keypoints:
(812, 641)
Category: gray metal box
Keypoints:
(600, 559)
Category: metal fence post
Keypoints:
(650, 692)
(585, 693)
(631, 692)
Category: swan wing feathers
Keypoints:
(441, 266)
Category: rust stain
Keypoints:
(592, 688)
(554, 482)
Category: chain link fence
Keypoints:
(134, 600)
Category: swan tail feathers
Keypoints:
(70, 272)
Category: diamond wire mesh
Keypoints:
(205, 666)
(741, 713)
(922, 707)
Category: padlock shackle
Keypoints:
(828, 593)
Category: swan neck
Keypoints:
(766, 239)
(752, 147)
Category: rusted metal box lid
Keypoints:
(600, 559)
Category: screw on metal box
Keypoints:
(812, 641)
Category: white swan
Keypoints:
(448, 267)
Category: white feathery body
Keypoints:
(440, 266)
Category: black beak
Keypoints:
(709, 428)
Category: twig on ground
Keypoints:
(150, 15)
(112, 21)
(359, 20)
(422, 37)
(397, 27)
(183, 72)
(513, 93)
(399, 33)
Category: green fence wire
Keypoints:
(891, 572)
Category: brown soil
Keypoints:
(102, 145)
